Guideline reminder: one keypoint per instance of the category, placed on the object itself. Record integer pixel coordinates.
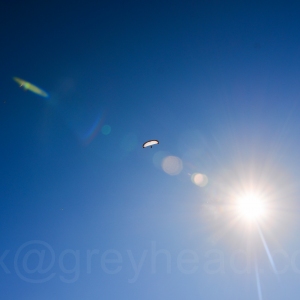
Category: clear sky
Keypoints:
(86, 212)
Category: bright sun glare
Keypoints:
(251, 207)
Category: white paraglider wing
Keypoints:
(150, 143)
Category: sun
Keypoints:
(251, 207)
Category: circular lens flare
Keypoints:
(251, 207)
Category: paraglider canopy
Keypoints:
(150, 143)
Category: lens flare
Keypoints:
(199, 179)
(106, 129)
(172, 165)
(93, 131)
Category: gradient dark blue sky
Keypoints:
(217, 82)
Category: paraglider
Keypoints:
(150, 143)
(31, 87)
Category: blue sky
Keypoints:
(86, 212)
